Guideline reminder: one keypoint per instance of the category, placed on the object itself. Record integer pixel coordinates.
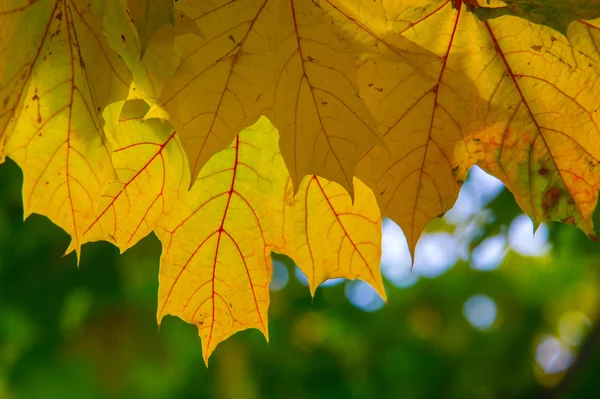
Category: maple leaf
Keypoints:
(427, 124)
(217, 238)
(509, 97)
(150, 169)
(293, 61)
(58, 73)
(330, 236)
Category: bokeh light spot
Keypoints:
(467, 204)
(480, 311)
(553, 356)
(363, 296)
(332, 282)
(487, 185)
(435, 253)
(395, 257)
(300, 276)
(479, 189)
(489, 254)
(522, 239)
(280, 276)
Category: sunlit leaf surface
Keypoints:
(329, 236)
(293, 61)
(60, 77)
(517, 98)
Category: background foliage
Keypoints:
(91, 333)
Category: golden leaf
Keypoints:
(330, 236)
(150, 169)
(427, 124)
(509, 97)
(293, 61)
(217, 238)
(54, 93)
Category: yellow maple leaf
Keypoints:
(293, 61)
(55, 87)
(330, 236)
(150, 170)
(217, 237)
(216, 264)
(546, 152)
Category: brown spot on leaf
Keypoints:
(537, 47)
(569, 220)
(551, 198)
(39, 114)
(543, 171)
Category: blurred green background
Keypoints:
(489, 311)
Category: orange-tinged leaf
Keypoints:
(509, 98)
(329, 236)
(217, 238)
(58, 90)
(547, 150)
(293, 61)
(427, 124)
(150, 167)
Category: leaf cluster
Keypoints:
(234, 129)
